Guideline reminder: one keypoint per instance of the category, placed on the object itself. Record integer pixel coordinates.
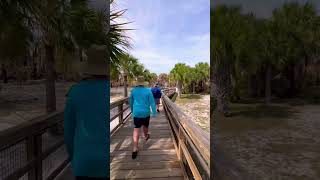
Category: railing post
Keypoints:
(120, 109)
(31, 156)
(181, 140)
(38, 145)
(34, 150)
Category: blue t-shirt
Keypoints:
(156, 91)
(141, 99)
(86, 128)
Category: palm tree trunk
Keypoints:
(34, 71)
(221, 86)
(268, 85)
(80, 55)
(292, 88)
(260, 79)
(250, 86)
(125, 77)
(179, 86)
(234, 82)
(50, 79)
(194, 88)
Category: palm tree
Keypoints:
(163, 78)
(179, 76)
(224, 31)
(298, 23)
(118, 41)
(15, 34)
(126, 65)
(203, 71)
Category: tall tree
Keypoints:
(179, 75)
(203, 73)
(224, 30)
(163, 79)
(126, 66)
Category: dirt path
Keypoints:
(274, 148)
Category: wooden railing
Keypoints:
(30, 151)
(192, 143)
(121, 114)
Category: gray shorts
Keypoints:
(157, 100)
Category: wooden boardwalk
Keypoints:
(157, 158)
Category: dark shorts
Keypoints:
(138, 122)
(157, 100)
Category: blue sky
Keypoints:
(168, 31)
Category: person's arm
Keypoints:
(69, 126)
(131, 100)
(152, 104)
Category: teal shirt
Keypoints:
(86, 128)
(141, 99)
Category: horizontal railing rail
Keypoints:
(29, 150)
(118, 111)
(191, 142)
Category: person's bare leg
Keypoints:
(145, 131)
(135, 139)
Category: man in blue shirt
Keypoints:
(86, 119)
(141, 99)
(156, 91)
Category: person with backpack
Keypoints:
(156, 91)
(141, 99)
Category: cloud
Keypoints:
(167, 32)
(199, 37)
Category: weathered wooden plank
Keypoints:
(148, 146)
(151, 173)
(126, 132)
(151, 158)
(143, 153)
(141, 139)
(152, 135)
(115, 166)
(157, 157)
(151, 123)
(151, 127)
(166, 178)
(128, 141)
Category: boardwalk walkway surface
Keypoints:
(157, 157)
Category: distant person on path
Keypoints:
(141, 99)
(86, 120)
(156, 91)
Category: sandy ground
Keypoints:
(20, 103)
(285, 148)
(199, 110)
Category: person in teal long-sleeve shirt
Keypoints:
(141, 99)
(86, 121)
